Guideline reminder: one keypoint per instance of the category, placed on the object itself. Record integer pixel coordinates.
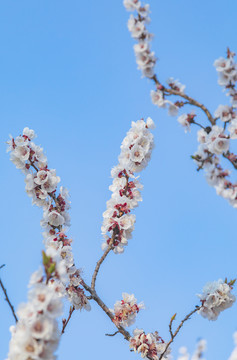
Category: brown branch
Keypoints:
(173, 335)
(98, 264)
(101, 304)
(65, 322)
(170, 325)
(116, 332)
(233, 162)
(7, 298)
(184, 96)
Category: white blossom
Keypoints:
(126, 310)
(224, 112)
(135, 153)
(215, 298)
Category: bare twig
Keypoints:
(170, 325)
(233, 162)
(116, 332)
(98, 264)
(97, 299)
(173, 335)
(7, 298)
(65, 322)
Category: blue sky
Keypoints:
(68, 72)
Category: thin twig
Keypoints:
(116, 332)
(173, 335)
(65, 322)
(196, 123)
(191, 100)
(234, 163)
(98, 264)
(170, 325)
(97, 299)
(7, 298)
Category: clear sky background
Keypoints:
(68, 71)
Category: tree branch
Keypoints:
(7, 298)
(116, 332)
(101, 304)
(65, 322)
(173, 335)
(184, 96)
(98, 264)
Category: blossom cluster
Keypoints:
(158, 97)
(216, 297)
(36, 335)
(41, 186)
(135, 154)
(149, 345)
(126, 310)
(227, 73)
(145, 58)
(215, 140)
(137, 26)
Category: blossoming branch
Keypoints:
(214, 139)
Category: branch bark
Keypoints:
(191, 101)
(7, 298)
(173, 335)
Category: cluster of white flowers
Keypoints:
(186, 120)
(215, 140)
(36, 334)
(227, 71)
(135, 153)
(158, 98)
(149, 345)
(41, 186)
(215, 298)
(145, 58)
(213, 144)
(137, 26)
(126, 310)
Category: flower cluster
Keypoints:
(215, 140)
(215, 143)
(215, 298)
(41, 186)
(126, 310)
(137, 26)
(186, 120)
(145, 58)
(149, 345)
(227, 72)
(135, 153)
(158, 97)
(36, 334)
